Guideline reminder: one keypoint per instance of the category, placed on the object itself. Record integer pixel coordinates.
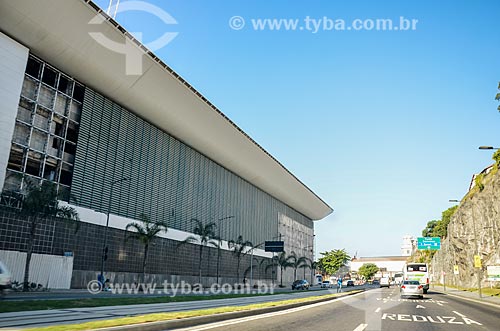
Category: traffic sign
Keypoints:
(274, 246)
(477, 261)
(455, 269)
(432, 243)
(493, 273)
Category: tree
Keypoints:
(306, 264)
(332, 261)
(283, 262)
(429, 229)
(41, 201)
(145, 232)
(439, 228)
(497, 97)
(205, 233)
(295, 262)
(496, 158)
(239, 248)
(367, 270)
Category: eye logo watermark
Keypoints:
(133, 54)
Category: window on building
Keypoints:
(46, 131)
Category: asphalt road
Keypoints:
(20, 320)
(378, 309)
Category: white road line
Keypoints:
(267, 315)
(377, 310)
(361, 327)
(461, 315)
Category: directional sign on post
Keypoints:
(432, 243)
(274, 246)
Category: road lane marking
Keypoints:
(377, 310)
(267, 315)
(419, 306)
(361, 327)
(461, 315)
(430, 319)
(467, 321)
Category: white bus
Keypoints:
(417, 271)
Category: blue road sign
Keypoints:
(432, 243)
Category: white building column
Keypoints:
(13, 59)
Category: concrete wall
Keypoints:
(51, 271)
(166, 260)
(13, 58)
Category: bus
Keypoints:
(417, 271)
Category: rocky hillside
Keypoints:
(478, 216)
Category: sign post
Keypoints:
(431, 243)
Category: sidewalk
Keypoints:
(466, 294)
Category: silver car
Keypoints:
(411, 288)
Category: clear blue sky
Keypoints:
(383, 125)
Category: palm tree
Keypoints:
(239, 247)
(283, 262)
(145, 232)
(41, 201)
(295, 262)
(306, 264)
(204, 236)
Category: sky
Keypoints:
(383, 125)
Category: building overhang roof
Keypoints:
(58, 31)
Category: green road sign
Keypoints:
(432, 243)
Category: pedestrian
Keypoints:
(339, 284)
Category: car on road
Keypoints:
(349, 283)
(326, 284)
(4, 278)
(385, 282)
(300, 284)
(411, 288)
(376, 282)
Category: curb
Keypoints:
(487, 303)
(194, 321)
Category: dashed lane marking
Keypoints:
(361, 327)
(377, 310)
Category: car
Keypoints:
(375, 282)
(300, 284)
(326, 284)
(385, 282)
(349, 283)
(5, 278)
(411, 288)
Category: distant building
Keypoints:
(388, 265)
(485, 171)
(409, 245)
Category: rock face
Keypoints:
(474, 229)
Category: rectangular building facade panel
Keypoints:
(13, 57)
(168, 180)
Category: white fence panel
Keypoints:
(52, 271)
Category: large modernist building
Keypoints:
(70, 114)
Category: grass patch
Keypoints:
(29, 305)
(177, 315)
(485, 290)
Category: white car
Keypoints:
(4, 278)
(411, 288)
(326, 284)
(385, 282)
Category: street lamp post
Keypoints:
(220, 242)
(104, 246)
